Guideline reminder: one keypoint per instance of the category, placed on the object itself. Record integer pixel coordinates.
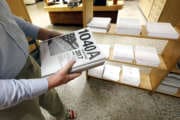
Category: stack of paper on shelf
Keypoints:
(167, 89)
(105, 49)
(96, 72)
(99, 24)
(172, 80)
(130, 75)
(163, 30)
(123, 53)
(146, 56)
(111, 72)
(129, 26)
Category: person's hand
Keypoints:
(45, 34)
(62, 76)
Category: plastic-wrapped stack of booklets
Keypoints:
(162, 30)
(130, 75)
(105, 49)
(123, 53)
(129, 26)
(170, 85)
(145, 55)
(99, 24)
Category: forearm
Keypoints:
(14, 91)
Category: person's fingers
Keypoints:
(68, 66)
(73, 76)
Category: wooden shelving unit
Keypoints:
(150, 81)
(62, 14)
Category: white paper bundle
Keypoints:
(111, 72)
(105, 48)
(163, 30)
(130, 26)
(99, 24)
(130, 75)
(172, 80)
(123, 53)
(146, 56)
(96, 72)
(99, 30)
(167, 89)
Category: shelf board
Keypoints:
(62, 8)
(175, 70)
(178, 93)
(143, 34)
(144, 84)
(162, 65)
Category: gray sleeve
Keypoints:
(13, 91)
(29, 29)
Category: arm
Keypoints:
(14, 91)
(33, 31)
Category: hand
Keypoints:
(45, 34)
(62, 76)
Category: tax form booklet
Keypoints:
(78, 45)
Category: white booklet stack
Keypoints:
(78, 45)
(129, 26)
(96, 72)
(146, 56)
(111, 72)
(105, 48)
(163, 30)
(123, 53)
(167, 89)
(130, 75)
(172, 80)
(99, 24)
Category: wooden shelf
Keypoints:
(168, 58)
(144, 84)
(178, 93)
(175, 70)
(62, 8)
(143, 34)
(62, 14)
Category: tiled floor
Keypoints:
(95, 99)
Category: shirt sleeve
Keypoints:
(29, 29)
(14, 91)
